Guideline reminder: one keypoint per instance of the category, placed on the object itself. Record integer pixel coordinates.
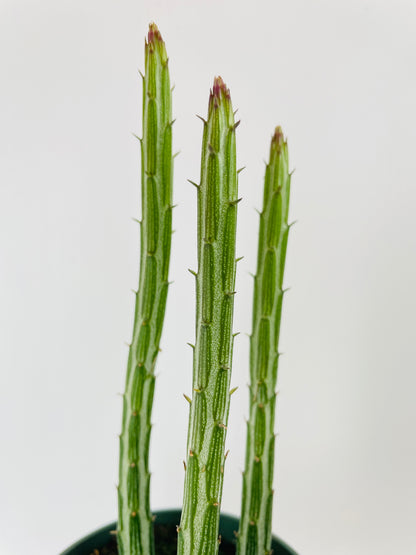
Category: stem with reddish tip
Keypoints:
(215, 280)
(254, 535)
(135, 523)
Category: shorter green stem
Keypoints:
(254, 537)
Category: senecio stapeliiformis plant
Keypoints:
(255, 533)
(215, 280)
(135, 526)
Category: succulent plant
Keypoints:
(135, 528)
(215, 280)
(255, 533)
(209, 402)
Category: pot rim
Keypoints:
(166, 516)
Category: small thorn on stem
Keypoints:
(202, 119)
(211, 149)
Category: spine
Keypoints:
(135, 521)
(215, 281)
(256, 514)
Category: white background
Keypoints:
(339, 76)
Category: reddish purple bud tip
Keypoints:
(278, 139)
(278, 136)
(219, 86)
(278, 145)
(219, 91)
(155, 45)
(154, 34)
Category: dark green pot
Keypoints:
(228, 525)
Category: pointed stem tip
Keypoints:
(219, 91)
(155, 44)
(278, 137)
(278, 143)
(154, 34)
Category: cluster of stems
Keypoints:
(212, 358)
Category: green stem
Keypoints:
(135, 524)
(254, 537)
(215, 280)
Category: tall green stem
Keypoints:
(254, 536)
(215, 280)
(135, 527)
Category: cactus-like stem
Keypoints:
(215, 280)
(135, 528)
(254, 535)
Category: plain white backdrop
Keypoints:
(339, 76)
